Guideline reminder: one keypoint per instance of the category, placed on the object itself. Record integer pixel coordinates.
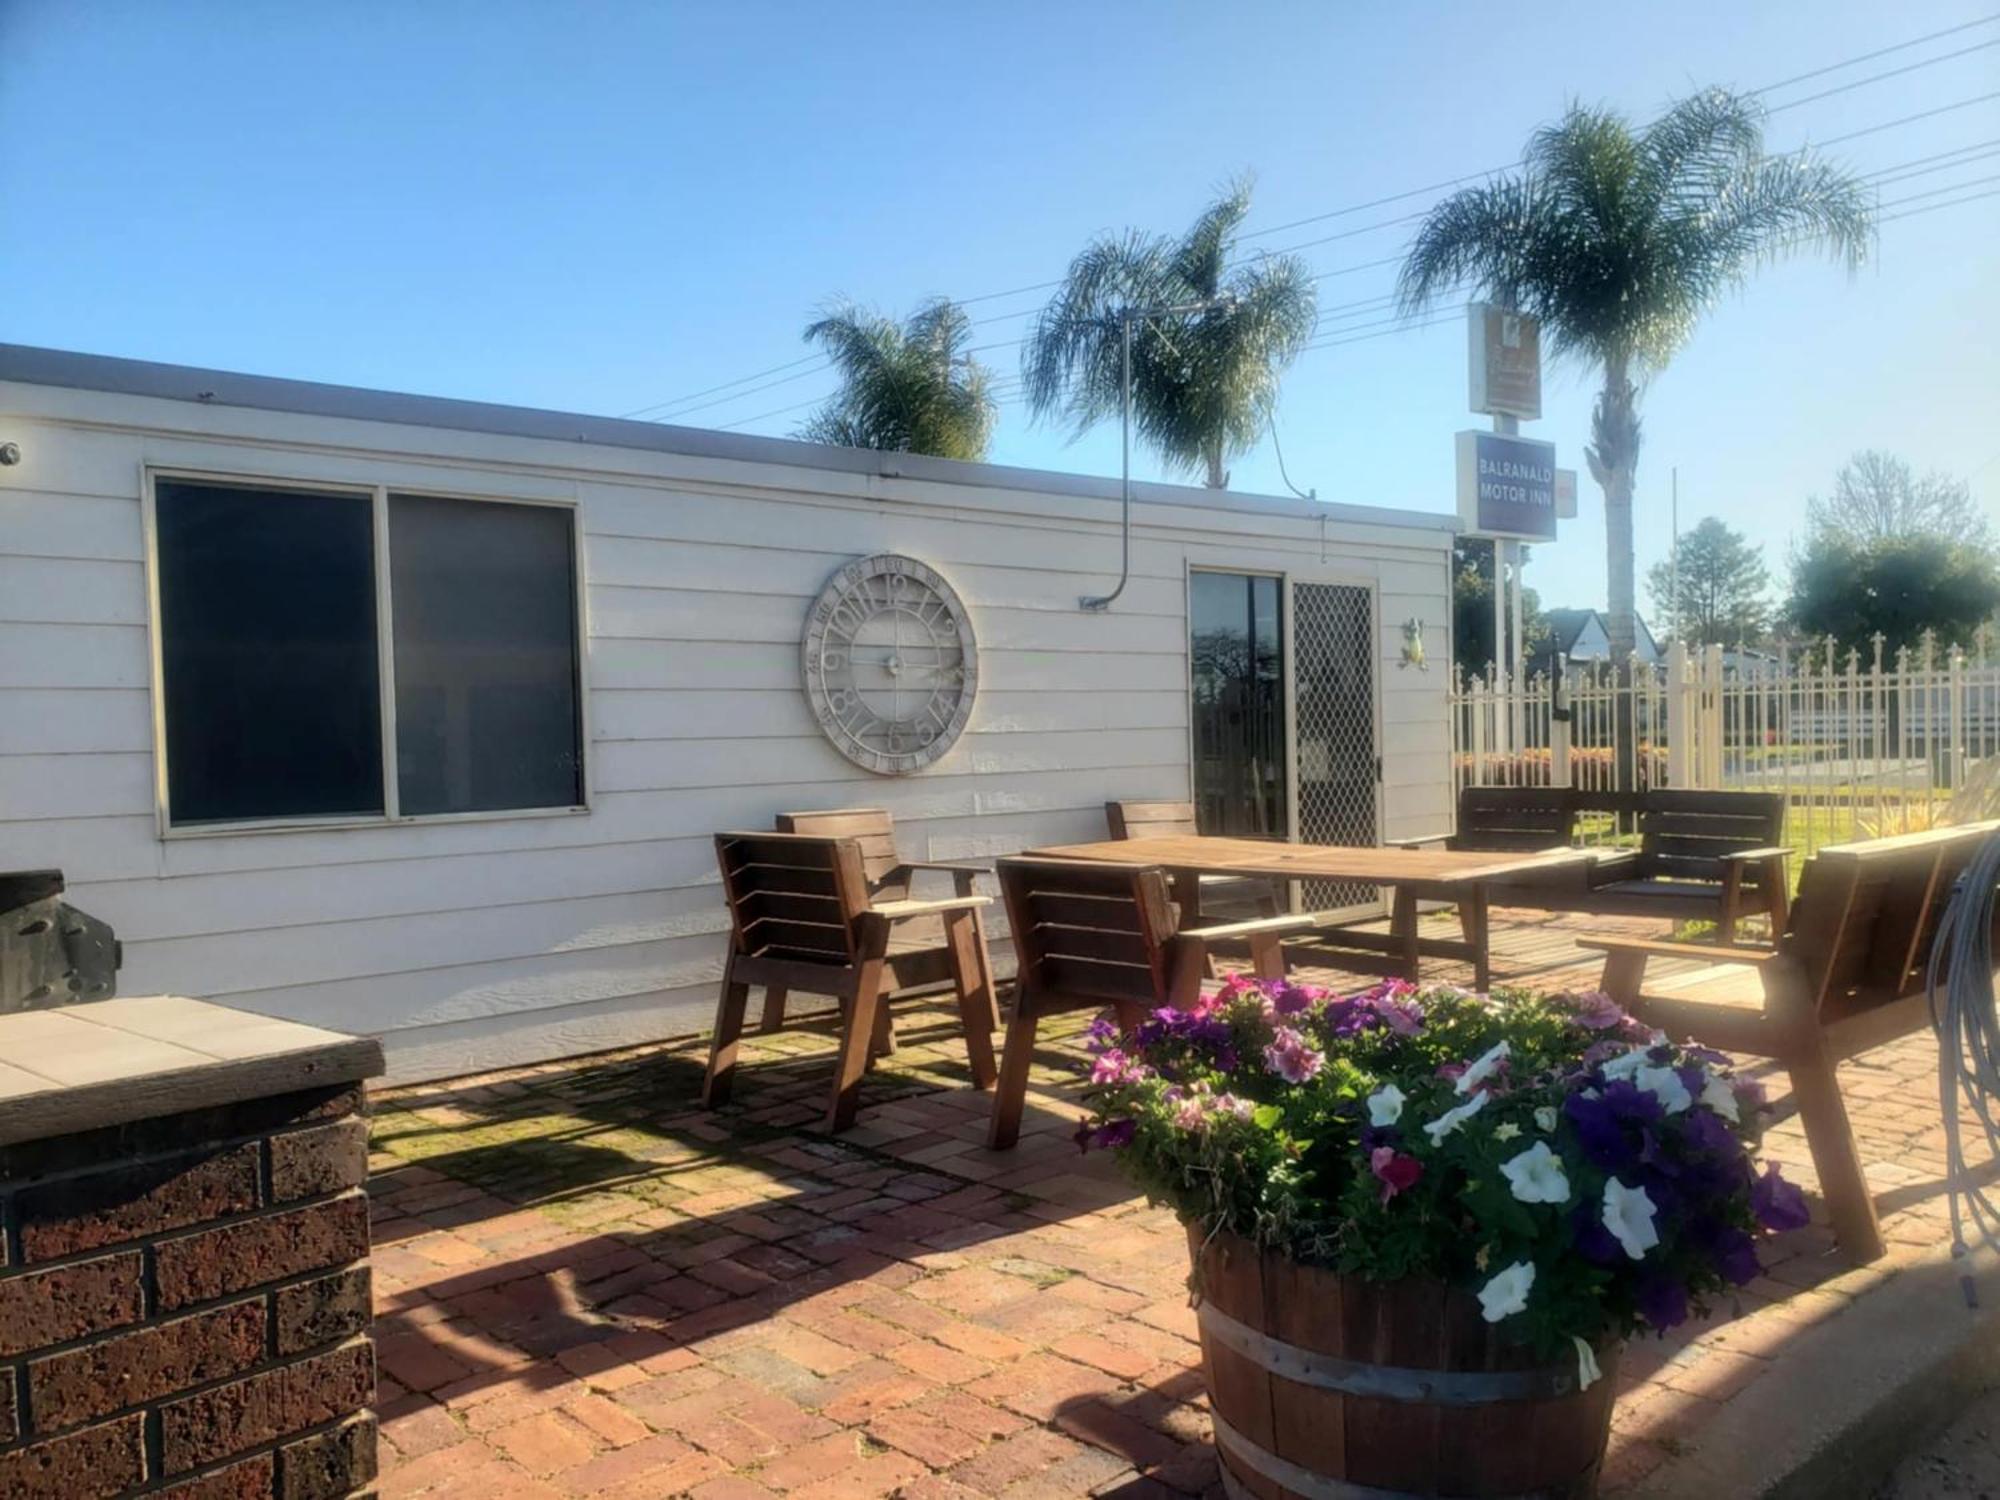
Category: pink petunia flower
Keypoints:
(1292, 1057)
(1395, 1171)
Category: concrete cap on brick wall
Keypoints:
(114, 1061)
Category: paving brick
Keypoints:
(10, 1415)
(96, 1461)
(544, 1442)
(328, 1464)
(40, 1308)
(646, 1460)
(212, 1425)
(126, 1369)
(125, 1203)
(231, 1257)
(320, 1159)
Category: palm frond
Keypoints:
(906, 388)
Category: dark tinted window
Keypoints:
(484, 600)
(1238, 674)
(267, 617)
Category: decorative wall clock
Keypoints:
(891, 666)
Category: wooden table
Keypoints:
(1460, 876)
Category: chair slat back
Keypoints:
(1683, 835)
(792, 896)
(1513, 819)
(1089, 932)
(1866, 915)
(1150, 820)
(874, 828)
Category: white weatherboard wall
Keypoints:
(469, 945)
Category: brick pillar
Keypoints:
(184, 1306)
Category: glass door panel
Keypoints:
(1237, 650)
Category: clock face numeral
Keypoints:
(890, 663)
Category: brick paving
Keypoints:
(589, 1287)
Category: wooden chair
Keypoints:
(1703, 856)
(1221, 895)
(1510, 819)
(1089, 935)
(892, 878)
(801, 918)
(1847, 974)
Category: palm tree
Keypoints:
(1618, 240)
(1203, 380)
(911, 388)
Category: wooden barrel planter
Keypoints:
(1326, 1387)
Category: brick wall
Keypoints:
(184, 1306)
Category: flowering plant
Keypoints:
(1582, 1175)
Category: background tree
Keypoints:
(1203, 383)
(1852, 589)
(909, 388)
(1723, 588)
(1618, 239)
(1877, 497)
(1472, 608)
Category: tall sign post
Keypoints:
(1508, 486)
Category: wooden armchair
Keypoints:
(1847, 974)
(1702, 856)
(801, 918)
(891, 878)
(1090, 935)
(1221, 895)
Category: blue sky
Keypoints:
(601, 207)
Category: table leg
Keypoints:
(1472, 910)
(1403, 927)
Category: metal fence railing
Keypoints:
(1860, 748)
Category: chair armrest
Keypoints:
(896, 911)
(1227, 930)
(1713, 952)
(1417, 843)
(1756, 856)
(950, 866)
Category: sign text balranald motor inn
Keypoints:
(1507, 486)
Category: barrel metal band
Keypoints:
(1288, 1475)
(1383, 1382)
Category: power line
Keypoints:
(1859, 83)
(1902, 120)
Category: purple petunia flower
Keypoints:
(1596, 1011)
(1736, 1255)
(1662, 1302)
(1107, 1136)
(1601, 1122)
(1593, 1241)
(1293, 999)
(1779, 1204)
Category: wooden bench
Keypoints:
(1090, 935)
(1847, 974)
(1702, 856)
(918, 942)
(801, 917)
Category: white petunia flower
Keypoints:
(1719, 1094)
(1545, 1119)
(1628, 1214)
(1506, 1131)
(1507, 1293)
(1665, 1085)
(1626, 1064)
(1537, 1175)
(1587, 1373)
(1482, 1066)
(1451, 1119)
(1385, 1106)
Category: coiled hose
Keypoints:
(1959, 982)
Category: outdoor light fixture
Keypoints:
(10, 454)
(1126, 317)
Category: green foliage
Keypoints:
(908, 389)
(1472, 608)
(1619, 239)
(1203, 383)
(1854, 589)
(1723, 588)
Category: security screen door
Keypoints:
(1337, 768)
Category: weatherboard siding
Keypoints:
(472, 944)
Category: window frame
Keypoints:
(378, 494)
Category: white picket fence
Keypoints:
(1859, 748)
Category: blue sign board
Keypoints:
(1507, 486)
